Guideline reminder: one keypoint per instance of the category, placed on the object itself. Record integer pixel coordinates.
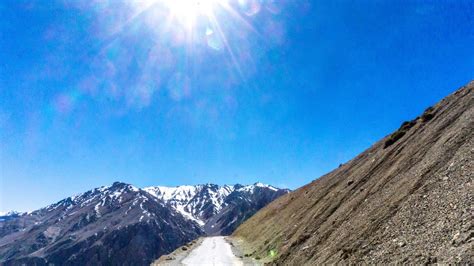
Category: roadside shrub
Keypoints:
(394, 137)
(407, 125)
(428, 114)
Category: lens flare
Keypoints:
(150, 48)
(250, 7)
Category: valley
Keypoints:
(125, 224)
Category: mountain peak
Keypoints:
(259, 184)
(122, 186)
(118, 184)
(200, 203)
(11, 213)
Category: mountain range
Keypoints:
(217, 209)
(122, 224)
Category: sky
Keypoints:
(161, 92)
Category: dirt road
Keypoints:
(212, 251)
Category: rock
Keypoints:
(455, 238)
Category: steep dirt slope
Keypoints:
(408, 198)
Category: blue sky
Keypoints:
(274, 91)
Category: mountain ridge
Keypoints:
(201, 202)
(117, 224)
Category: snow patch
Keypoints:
(189, 200)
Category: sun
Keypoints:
(192, 24)
(189, 12)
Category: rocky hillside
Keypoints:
(406, 199)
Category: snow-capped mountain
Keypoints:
(116, 225)
(202, 203)
(123, 224)
(9, 215)
(196, 203)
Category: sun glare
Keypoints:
(188, 12)
(190, 25)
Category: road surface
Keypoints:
(212, 251)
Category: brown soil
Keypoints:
(175, 257)
(407, 199)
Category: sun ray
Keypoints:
(217, 26)
(228, 8)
